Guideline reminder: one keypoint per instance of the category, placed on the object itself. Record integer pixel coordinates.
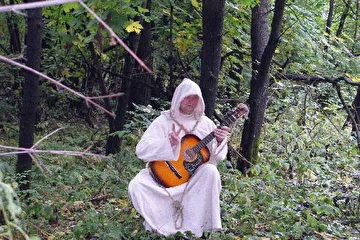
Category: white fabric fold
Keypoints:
(200, 196)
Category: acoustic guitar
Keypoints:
(193, 153)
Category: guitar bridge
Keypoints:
(177, 174)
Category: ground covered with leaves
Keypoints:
(296, 192)
(305, 185)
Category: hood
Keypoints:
(186, 88)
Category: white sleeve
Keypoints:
(217, 151)
(155, 144)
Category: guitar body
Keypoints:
(193, 153)
(174, 173)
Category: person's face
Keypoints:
(188, 104)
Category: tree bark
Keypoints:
(356, 24)
(114, 142)
(141, 89)
(356, 109)
(213, 19)
(15, 43)
(30, 94)
(329, 22)
(343, 19)
(330, 17)
(356, 102)
(263, 51)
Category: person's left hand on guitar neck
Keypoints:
(221, 133)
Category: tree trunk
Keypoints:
(356, 25)
(356, 102)
(343, 19)
(15, 43)
(260, 76)
(30, 94)
(259, 39)
(113, 142)
(213, 19)
(141, 89)
(329, 21)
(356, 108)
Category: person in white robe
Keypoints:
(192, 206)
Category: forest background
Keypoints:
(75, 101)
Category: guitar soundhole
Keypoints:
(189, 155)
(196, 160)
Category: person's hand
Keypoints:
(174, 136)
(243, 110)
(221, 133)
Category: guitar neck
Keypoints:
(204, 142)
(230, 118)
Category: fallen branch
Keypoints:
(315, 79)
(19, 150)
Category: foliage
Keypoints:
(141, 117)
(303, 41)
(10, 212)
(306, 185)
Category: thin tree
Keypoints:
(329, 21)
(30, 94)
(141, 89)
(263, 47)
(343, 17)
(356, 102)
(113, 142)
(212, 23)
(14, 34)
(357, 10)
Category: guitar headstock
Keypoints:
(241, 110)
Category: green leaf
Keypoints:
(195, 4)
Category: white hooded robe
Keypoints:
(200, 196)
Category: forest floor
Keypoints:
(86, 197)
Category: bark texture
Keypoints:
(30, 94)
(263, 48)
(213, 19)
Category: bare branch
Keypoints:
(17, 7)
(56, 82)
(315, 79)
(107, 96)
(113, 35)
(23, 6)
(37, 163)
(19, 150)
(42, 139)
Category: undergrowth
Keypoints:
(305, 185)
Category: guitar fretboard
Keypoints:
(229, 119)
